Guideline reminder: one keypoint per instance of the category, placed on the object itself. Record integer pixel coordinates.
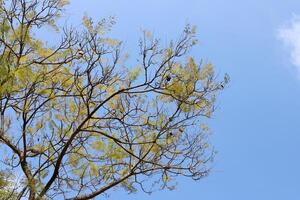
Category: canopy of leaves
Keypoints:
(78, 120)
(8, 191)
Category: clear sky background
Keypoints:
(256, 128)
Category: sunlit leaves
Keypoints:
(87, 22)
(98, 145)
(6, 84)
(63, 3)
(94, 169)
(206, 71)
(73, 107)
(39, 124)
(101, 28)
(115, 152)
(73, 160)
(110, 42)
(76, 110)
(134, 73)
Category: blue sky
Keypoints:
(256, 128)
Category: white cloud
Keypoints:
(289, 34)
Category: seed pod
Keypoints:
(80, 53)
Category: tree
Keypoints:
(8, 189)
(76, 121)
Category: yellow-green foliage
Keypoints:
(76, 111)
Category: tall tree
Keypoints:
(76, 121)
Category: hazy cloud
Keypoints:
(289, 34)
